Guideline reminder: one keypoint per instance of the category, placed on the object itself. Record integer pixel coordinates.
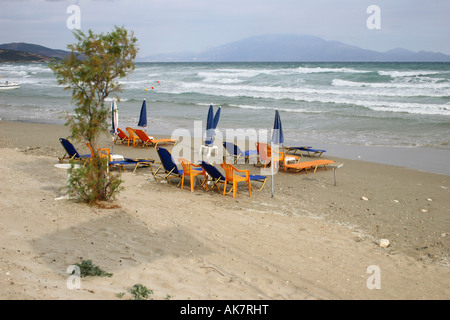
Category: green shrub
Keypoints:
(94, 182)
(87, 268)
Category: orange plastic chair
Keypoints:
(132, 136)
(230, 175)
(147, 140)
(265, 154)
(104, 153)
(189, 171)
(122, 136)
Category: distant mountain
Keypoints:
(296, 48)
(266, 48)
(21, 57)
(24, 52)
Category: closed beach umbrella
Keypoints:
(143, 116)
(114, 120)
(211, 124)
(277, 135)
(278, 139)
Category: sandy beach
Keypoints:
(312, 240)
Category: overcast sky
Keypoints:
(193, 25)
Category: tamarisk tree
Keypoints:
(92, 72)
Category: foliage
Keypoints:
(92, 72)
(140, 292)
(94, 182)
(87, 268)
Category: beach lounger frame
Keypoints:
(299, 166)
(309, 150)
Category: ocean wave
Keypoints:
(375, 105)
(415, 73)
(329, 70)
(432, 84)
(296, 92)
(288, 110)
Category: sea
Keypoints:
(339, 106)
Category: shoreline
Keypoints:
(432, 160)
(313, 240)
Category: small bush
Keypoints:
(94, 182)
(140, 292)
(87, 268)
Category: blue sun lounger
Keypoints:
(216, 177)
(135, 162)
(236, 152)
(71, 152)
(121, 161)
(309, 150)
(171, 170)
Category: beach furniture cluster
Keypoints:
(207, 175)
(140, 137)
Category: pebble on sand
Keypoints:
(384, 243)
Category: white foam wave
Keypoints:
(396, 74)
(277, 93)
(300, 92)
(329, 70)
(288, 110)
(432, 84)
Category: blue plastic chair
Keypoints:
(236, 152)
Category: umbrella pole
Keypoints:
(112, 145)
(271, 167)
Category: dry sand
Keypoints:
(313, 240)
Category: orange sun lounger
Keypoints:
(297, 167)
(147, 140)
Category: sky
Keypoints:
(163, 26)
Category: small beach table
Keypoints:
(207, 150)
(335, 166)
(66, 166)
